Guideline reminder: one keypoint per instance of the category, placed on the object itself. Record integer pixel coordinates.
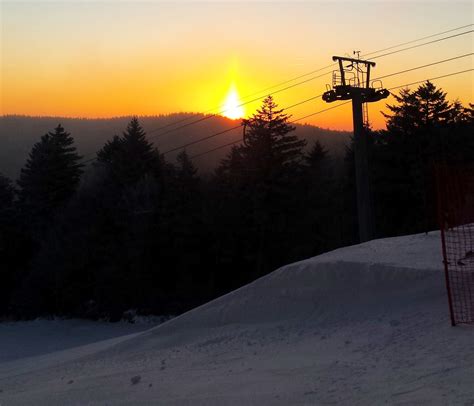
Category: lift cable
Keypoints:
(310, 99)
(339, 105)
(316, 71)
(297, 84)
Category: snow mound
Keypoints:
(362, 325)
(357, 274)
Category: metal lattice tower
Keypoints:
(352, 82)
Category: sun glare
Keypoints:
(232, 105)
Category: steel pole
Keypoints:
(364, 209)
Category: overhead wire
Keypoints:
(308, 115)
(297, 84)
(233, 128)
(339, 105)
(421, 45)
(418, 39)
(319, 70)
(290, 122)
(315, 97)
(207, 117)
(430, 79)
(307, 100)
(424, 66)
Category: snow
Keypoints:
(362, 325)
(58, 334)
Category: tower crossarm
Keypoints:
(353, 80)
(358, 61)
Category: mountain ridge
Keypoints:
(18, 134)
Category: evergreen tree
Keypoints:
(460, 114)
(261, 176)
(142, 157)
(188, 230)
(51, 174)
(469, 113)
(423, 129)
(231, 219)
(269, 147)
(316, 156)
(132, 198)
(130, 157)
(47, 183)
(418, 110)
(186, 171)
(7, 193)
(434, 107)
(317, 193)
(109, 154)
(8, 246)
(231, 169)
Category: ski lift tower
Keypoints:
(352, 82)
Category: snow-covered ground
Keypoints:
(39, 337)
(363, 325)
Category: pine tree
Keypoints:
(7, 192)
(186, 171)
(316, 156)
(139, 151)
(259, 177)
(469, 113)
(231, 168)
(434, 107)
(130, 157)
(460, 114)
(51, 174)
(187, 229)
(186, 185)
(268, 145)
(109, 152)
(319, 198)
(132, 200)
(420, 109)
(47, 183)
(422, 130)
(10, 243)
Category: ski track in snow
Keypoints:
(362, 325)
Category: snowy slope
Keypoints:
(58, 334)
(363, 325)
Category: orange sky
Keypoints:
(102, 59)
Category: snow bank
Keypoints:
(371, 272)
(16, 338)
(362, 325)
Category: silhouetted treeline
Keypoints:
(19, 133)
(136, 231)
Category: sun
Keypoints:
(232, 106)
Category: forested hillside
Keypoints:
(139, 229)
(19, 133)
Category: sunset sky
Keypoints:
(103, 59)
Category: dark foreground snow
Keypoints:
(39, 337)
(363, 325)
